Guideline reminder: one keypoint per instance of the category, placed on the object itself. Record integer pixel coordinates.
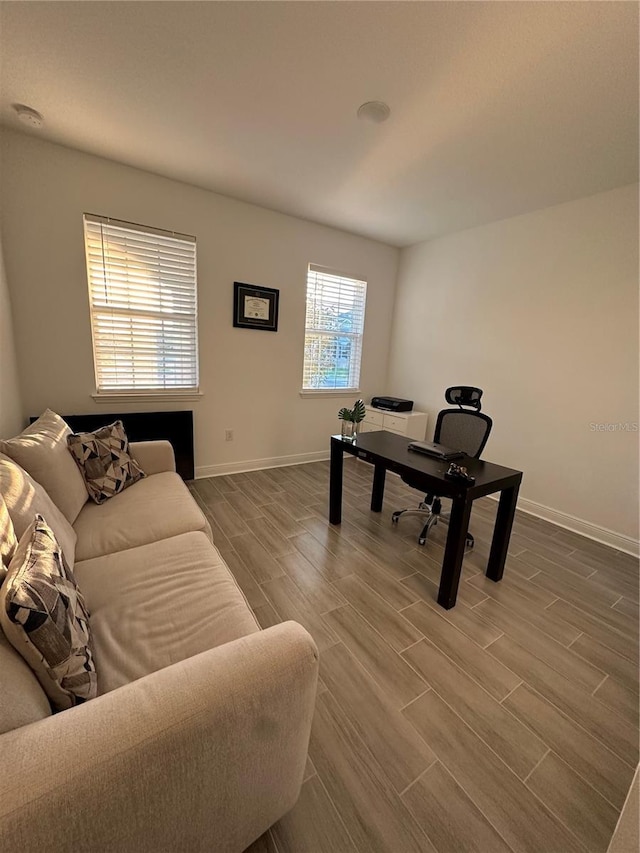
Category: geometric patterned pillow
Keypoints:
(104, 461)
(45, 619)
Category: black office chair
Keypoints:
(465, 429)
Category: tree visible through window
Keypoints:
(143, 300)
(333, 330)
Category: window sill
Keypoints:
(330, 392)
(147, 397)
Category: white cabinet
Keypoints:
(409, 424)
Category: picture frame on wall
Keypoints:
(255, 307)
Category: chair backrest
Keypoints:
(463, 430)
(464, 395)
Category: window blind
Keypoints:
(143, 300)
(333, 330)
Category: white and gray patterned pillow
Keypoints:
(104, 461)
(44, 617)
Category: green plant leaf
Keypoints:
(359, 411)
(345, 414)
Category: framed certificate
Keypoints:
(255, 307)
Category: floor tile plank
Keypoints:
(207, 489)
(607, 773)
(593, 599)
(544, 647)
(270, 538)
(620, 699)
(244, 506)
(522, 821)
(392, 673)
(609, 661)
(253, 554)
(397, 631)
(284, 523)
(371, 810)
(449, 817)
(498, 680)
(595, 628)
(290, 603)
(579, 806)
(266, 615)
(392, 741)
(247, 583)
(519, 605)
(322, 595)
(609, 727)
(516, 745)
(331, 566)
(470, 622)
(313, 824)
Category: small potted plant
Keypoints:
(351, 419)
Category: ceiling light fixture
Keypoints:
(374, 111)
(29, 116)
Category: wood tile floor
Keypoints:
(509, 723)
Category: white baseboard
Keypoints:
(585, 528)
(259, 464)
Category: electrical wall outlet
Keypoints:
(228, 435)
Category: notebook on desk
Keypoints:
(438, 451)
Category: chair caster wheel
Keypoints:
(422, 540)
(470, 540)
(394, 517)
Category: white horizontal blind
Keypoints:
(142, 292)
(333, 330)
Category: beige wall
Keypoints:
(250, 379)
(542, 312)
(11, 420)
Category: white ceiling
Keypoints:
(497, 108)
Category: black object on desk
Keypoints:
(387, 451)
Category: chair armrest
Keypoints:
(154, 457)
(203, 755)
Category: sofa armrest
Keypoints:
(203, 755)
(154, 457)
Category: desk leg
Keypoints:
(454, 552)
(335, 483)
(377, 492)
(502, 533)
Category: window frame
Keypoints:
(104, 393)
(335, 391)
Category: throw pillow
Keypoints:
(45, 619)
(8, 541)
(24, 498)
(104, 461)
(41, 449)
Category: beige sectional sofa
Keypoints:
(198, 738)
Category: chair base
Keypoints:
(433, 513)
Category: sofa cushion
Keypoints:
(155, 508)
(8, 541)
(104, 461)
(41, 449)
(22, 699)
(43, 615)
(24, 498)
(158, 604)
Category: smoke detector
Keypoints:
(29, 116)
(374, 111)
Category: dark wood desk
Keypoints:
(389, 452)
